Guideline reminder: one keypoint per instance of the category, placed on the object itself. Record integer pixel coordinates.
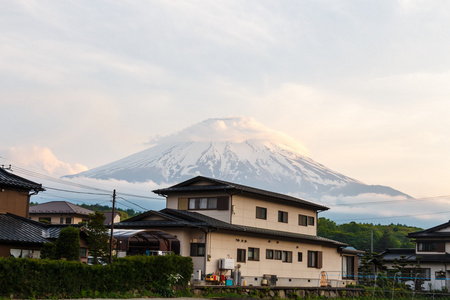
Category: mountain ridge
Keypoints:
(238, 150)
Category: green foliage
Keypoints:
(124, 214)
(68, 244)
(358, 235)
(49, 251)
(126, 277)
(98, 237)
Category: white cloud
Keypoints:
(41, 158)
(385, 209)
(233, 129)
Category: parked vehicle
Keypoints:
(91, 261)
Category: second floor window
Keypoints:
(430, 247)
(282, 216)
(261, 213)
(302, 220)
(216, 203)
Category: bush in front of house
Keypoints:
(42, 278)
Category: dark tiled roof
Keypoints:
(59, 207)
(15, 229)
(183, 218)
(220, 185)
(390, 255)
(12, 180)
(431, 232)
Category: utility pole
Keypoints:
(111, 239)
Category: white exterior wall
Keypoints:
(244, 213)
(221, 245)
(433, 283)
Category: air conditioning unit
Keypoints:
(226, 264)
(197, 274)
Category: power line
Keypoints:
(388, 201)
(76, 192)
(133, 203)
(391, 217)
(83, 186)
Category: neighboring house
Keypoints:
(108, 217)
(20, 236)
(59, 212)
(15, 193)
(229, 229)
(16, 234)
(433, 251)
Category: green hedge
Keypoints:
(42, 278)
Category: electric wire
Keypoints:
(392, 217)
(389, 201)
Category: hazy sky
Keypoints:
(364, 85)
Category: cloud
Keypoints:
(41, 158)
(232, 129)
(385, 209)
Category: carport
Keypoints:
(145, 242)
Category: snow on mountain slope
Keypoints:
(239, 150)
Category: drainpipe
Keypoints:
(28, 202)
(206, 252)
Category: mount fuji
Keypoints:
(236, 149)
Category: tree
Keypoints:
(48, 251)
(68, 244)
(97, 239)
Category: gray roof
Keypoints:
(59, 207)
(8, 179)
(392, 254)
(183, 218)
(220, 185)
(15, 229)
(432, 232)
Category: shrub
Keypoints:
(43, 278)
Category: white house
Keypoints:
(252, 235)
(433, 251)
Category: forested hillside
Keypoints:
(358, 235)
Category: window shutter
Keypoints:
(183, 203)
(440, 247)
(355, 267)
(222, 203)
(319, 259)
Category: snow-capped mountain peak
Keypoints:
(236, 149)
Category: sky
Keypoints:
(362, 84)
